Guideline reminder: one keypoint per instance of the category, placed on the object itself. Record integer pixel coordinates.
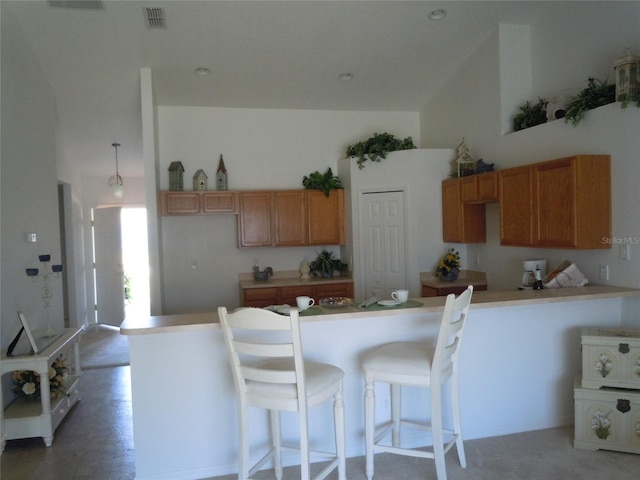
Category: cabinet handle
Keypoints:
(623, 405)
(623, 348)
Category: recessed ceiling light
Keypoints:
(202, 71)
(345, 77)
(438, 14)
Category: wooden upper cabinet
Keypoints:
(325, 217)
(573, 207)
(290, 218)
(219, 202)
(481, 188)
(516, 206)
(179, 203)
(254, 219)
(196, 203)
(461, 223)
(563, 203)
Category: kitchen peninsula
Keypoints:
(521, 353)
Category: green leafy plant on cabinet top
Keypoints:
(377, 147)
(531, 114)
(596, 94)
(323, 182)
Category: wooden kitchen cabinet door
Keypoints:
(573, 202)
(260, 297)
(290, 218)
(179, 203)
(325, 217)
(516, 206)
(254, 219)
(461, 223)
(480, 188)
(219, 202)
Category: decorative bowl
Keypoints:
(336, 302)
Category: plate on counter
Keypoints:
(389, 303)
(284, 310)
(336, 302)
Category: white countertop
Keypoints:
(485, 299)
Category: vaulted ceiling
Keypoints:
(260, 54)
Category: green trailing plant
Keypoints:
(531, 114)
(596, 94)
(325, 264)
(630, 98)
(324, 182)
(377, 147)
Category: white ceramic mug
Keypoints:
(400, 295)
(304, 303)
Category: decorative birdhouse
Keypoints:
(221, 176)
(200, 180)
(627, 75)
(465, 162)
(176, 182)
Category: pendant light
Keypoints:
(115, 182)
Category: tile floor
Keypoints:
(94, 441)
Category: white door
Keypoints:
(109, 273)
(383, 242)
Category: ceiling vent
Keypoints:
(154, 18)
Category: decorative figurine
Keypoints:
(221, 175)
(304, 270)
(200, 180)
(176, 182)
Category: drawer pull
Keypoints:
(623, 405)
(623, 348)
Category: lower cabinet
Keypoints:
(263, 297)
(428, 291)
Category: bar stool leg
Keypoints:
(369, 424)
(276, 439)
(338, 416)
(396, 402)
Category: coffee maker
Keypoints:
(529, 275)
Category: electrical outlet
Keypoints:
(604, 272)
(624, 252)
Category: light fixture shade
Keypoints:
(115, 182)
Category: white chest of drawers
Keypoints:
(607, 396)
(610, 358)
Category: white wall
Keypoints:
(29, 184)
(263, 149)
(419, 174)
(562, 57)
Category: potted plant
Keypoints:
(323, 182)
(377, 147)
(531, 114)
(325, 264)
(596, 94)
(449, 266)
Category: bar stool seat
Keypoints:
(269, 372)
(419, 365)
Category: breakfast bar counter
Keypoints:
(520, 353)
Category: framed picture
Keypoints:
(24, 328)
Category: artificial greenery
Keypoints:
(531, 114)
(377, 147)
(596, 94)
(325, 264)
(323, 182)
(627, 99)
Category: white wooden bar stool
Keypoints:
(414, 364)
(269, 372)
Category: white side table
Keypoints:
(26, 418)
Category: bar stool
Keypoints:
(269, 372)
(418, 365)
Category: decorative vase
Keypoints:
(450, 276)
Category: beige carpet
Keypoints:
(102, 346)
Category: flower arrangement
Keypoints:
(26, 383)
(601, 425)
(448, 263)
(603, 366)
